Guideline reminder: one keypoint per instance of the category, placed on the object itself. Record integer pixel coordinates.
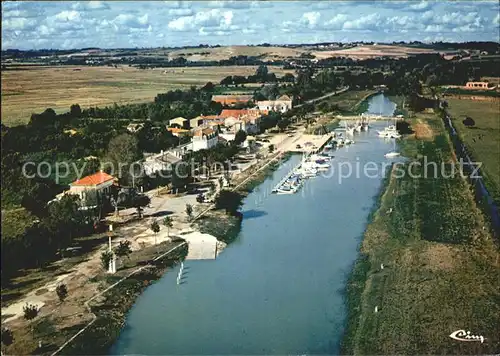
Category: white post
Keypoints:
(376, 309)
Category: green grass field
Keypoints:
(351, 102)
(484, 139)
(27, 91)
(441, 268)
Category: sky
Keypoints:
(126, 24)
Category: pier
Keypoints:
(286, 177)
(309, 143)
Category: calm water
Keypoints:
(278, 289)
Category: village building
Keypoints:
(478, 85)
(237, 113)
(247, 123)
(182, 122)
(204, 138)
(159, 163)
(282, 104)
(203, 120)
(178, 132)
(99, 182)
(231, 100)
(133, 128)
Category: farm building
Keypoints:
(478, 85)
(99, 182)
(182, 122)
(229, 100)
(282, 104)
(204, 138)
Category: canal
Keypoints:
(279, 288)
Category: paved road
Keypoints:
(323, 97)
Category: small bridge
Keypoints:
(370, 117)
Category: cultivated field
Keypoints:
(441, 269)
(36, 88)
(370, 51)
(484, 139)
(219, 53)
(275, 52)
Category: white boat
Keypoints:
(319, 156)
(307, 172)
(285, 190)
(348, 142)
(392, 154)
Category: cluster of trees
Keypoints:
(55, 228)
(262, 75)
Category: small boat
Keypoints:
(329, 146)
(285, 190)
(348, 142)
(392, 154)
(307, 172)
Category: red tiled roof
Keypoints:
(241, 112)
(210, 117)
(94, 179)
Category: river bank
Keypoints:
(440, 266)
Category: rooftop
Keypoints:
(94, 179)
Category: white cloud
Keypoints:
(131, 21)
(434, 28)
(336, 22)
(181, 24)
(90, 5)
(213, 18)
(68, 16)
(421, 6)
(230, 4)
(180, 12)
(310, 19)
(18, 23)
(176, 4)
(368, 22)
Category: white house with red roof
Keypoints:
(204, 138)
(100, 182)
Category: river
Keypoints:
(279, 288)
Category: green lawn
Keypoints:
(484, 140)
(351, 102)
(440, 267)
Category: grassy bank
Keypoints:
(399, 101)
(351, 102)
(483, 140)
(440, 267)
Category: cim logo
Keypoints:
(462, 335)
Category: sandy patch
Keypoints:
(440, 257)
(423, 131)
